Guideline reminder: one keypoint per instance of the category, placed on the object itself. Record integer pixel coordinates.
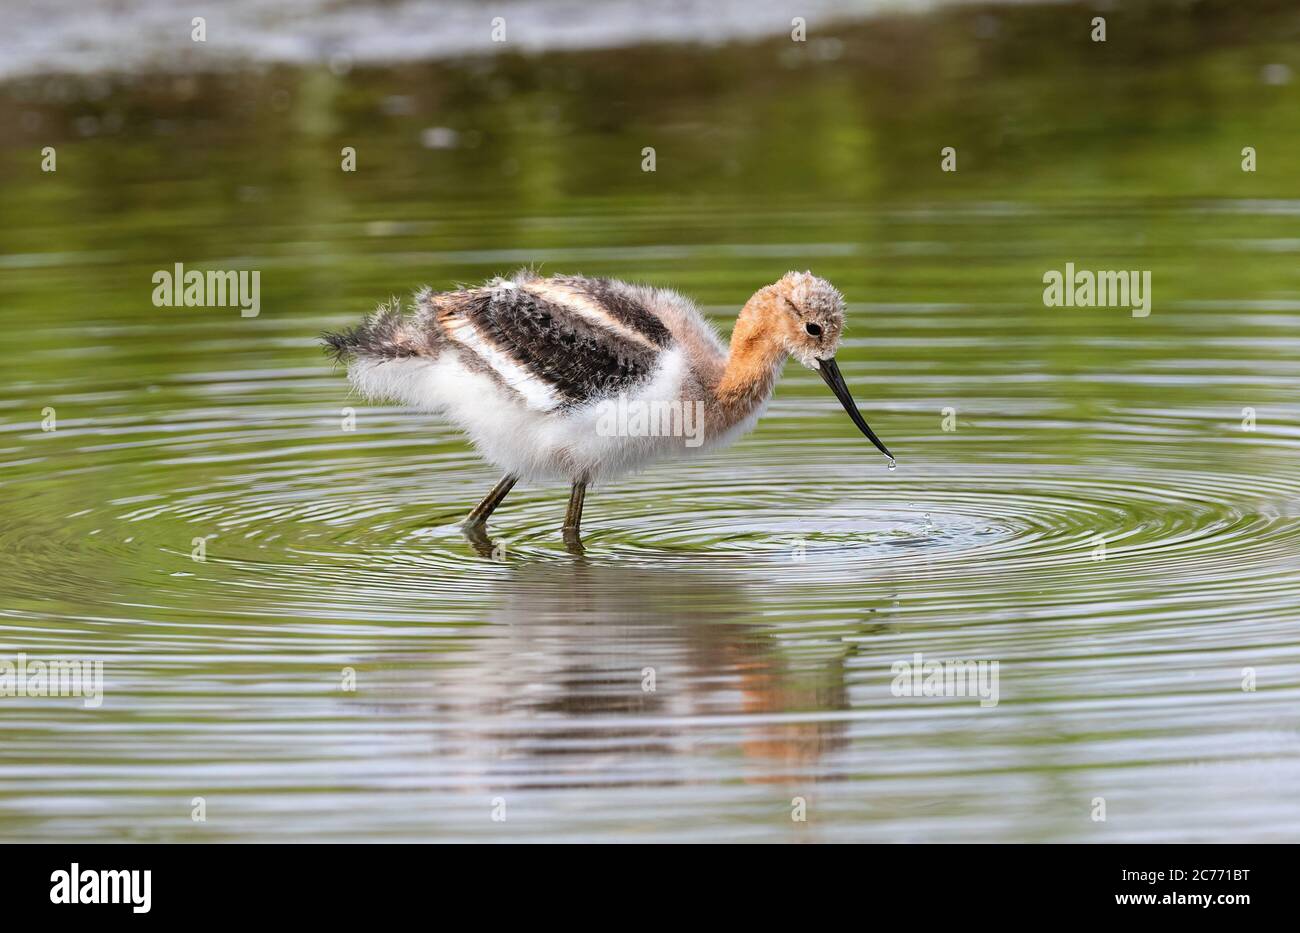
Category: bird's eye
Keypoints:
(814, 330)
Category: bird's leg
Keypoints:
(573, 517)
(478, 518)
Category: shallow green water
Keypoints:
(769, 587)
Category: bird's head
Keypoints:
(810, 316)
(809, 319)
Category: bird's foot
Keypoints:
(573, 539)
(476, 533)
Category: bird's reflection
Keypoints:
(591, 665)
(599, 668)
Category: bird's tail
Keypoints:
(381, 336)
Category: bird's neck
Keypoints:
(754, 362)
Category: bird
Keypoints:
(568, 378)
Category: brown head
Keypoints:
(803, 316)
(807, 313)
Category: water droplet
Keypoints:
(893, 464)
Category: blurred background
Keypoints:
(770, 587)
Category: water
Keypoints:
(1107, 506)
(91, 36)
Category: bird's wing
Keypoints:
(557, 342)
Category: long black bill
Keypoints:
(831, 374)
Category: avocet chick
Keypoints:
(579, 380)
